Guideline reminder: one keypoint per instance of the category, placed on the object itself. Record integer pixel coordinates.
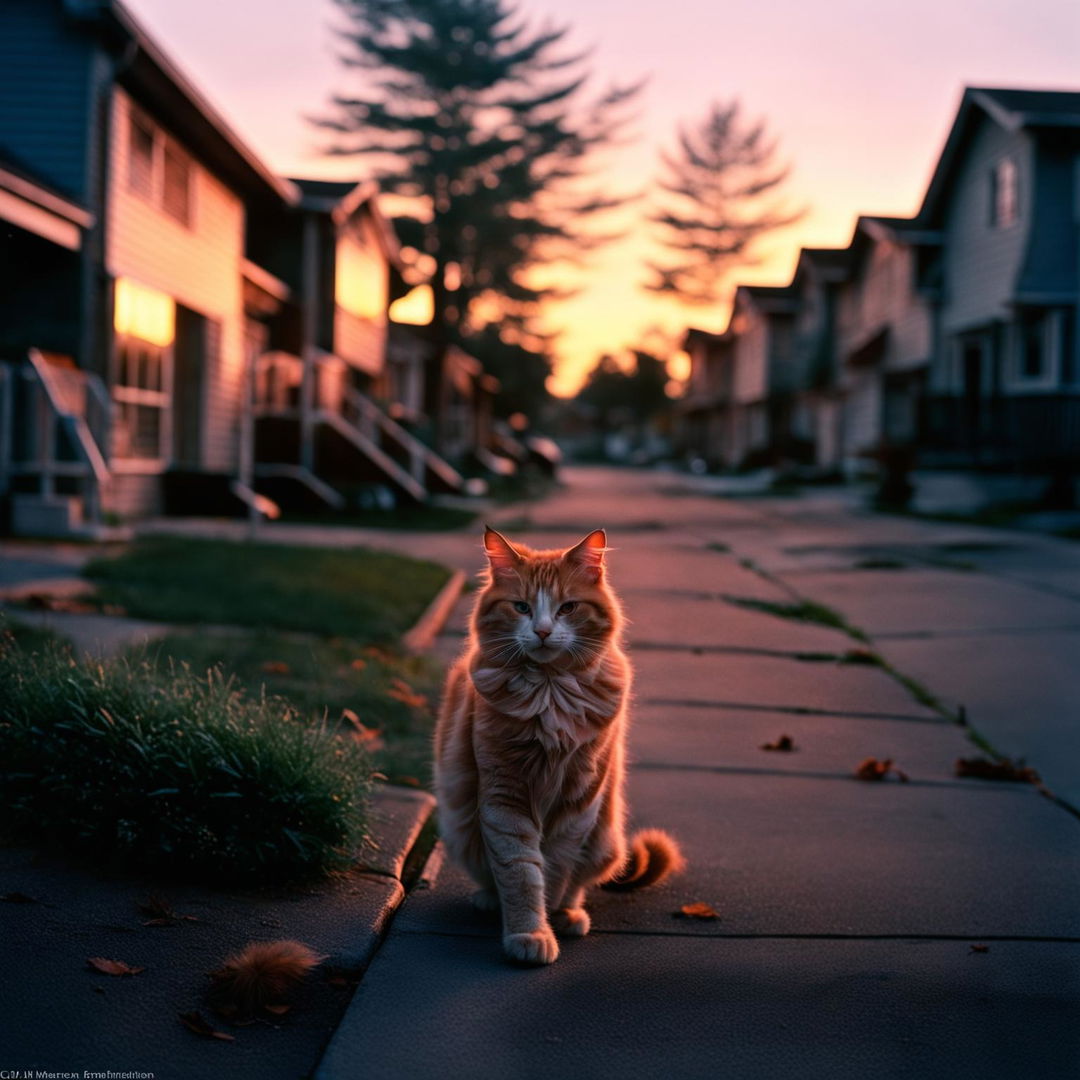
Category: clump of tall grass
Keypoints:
(171, 771)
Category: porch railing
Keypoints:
(56, 420)
(339, 405)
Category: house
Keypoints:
(884, 336)
(702, 429)
(1004, 385)
(764, 381)
(178, 326)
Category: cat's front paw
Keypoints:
(571, 921)
(538, 947)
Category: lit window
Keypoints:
(1004, 203)
(145, 322)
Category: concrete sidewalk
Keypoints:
(920, 929)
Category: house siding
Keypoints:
(46, 112)
(981, 261)
(200, 267)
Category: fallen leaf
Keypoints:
(784, 743)
(980, 948)
(358, 664)
(409, 781)
(873, 769)
(194, 1021)
(1005, 769)
(161, 912)
(696, 911)
(112, 967)
(275, 667)
(18, 898)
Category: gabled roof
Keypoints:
(771, 299)
(830, 264)
(1037, 111)
(343, 198)
(156, 81)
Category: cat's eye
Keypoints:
(521, 606)
(568, 607)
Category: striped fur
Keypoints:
(530, 747)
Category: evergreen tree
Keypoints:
(724, 191)
(480, 120)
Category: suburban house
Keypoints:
(820, 274)
(703, 428)
(1004, 387)
(884, 337)
(945, 340)
(764, 379)
(179, 327)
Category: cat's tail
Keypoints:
(653, 856)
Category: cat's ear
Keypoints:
(502, 555)
(589, 555)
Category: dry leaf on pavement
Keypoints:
(983, 769)
(785, 743)
(873, 769)
(194, 1021)
(696, 911)
(112, 967)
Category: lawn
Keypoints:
(384, 700)
(369, 596)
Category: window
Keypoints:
(145, 325)
(176, 196)
(158, 169)
(141, 156)
(1004, 203)
(140, 399)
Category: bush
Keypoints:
(172, 772)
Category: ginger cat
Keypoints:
(529, 747)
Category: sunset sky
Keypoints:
(860, 95)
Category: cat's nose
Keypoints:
(543, 635)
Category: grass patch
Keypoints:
(392, 696)
(805, 611)
(172, 772)
(365, 595)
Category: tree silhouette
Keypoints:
(724, 193)
(482, 122)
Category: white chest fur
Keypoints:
(563, 705)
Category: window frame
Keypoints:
(129, 393)
(164, 146)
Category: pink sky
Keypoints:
(860, 94)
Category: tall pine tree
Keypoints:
(724, 193)
(482, 122)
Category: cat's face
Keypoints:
(547, 607)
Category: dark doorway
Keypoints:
(195, 355)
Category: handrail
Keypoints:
(66, 411)
(417, 449)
